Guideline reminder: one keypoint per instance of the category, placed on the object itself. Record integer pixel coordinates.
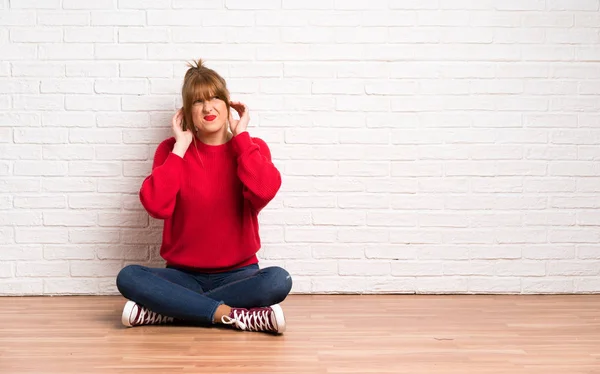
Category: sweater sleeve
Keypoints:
(159, 190)
(258, 174)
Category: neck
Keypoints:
(215, 138)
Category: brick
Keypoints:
(95, 136)
(121, 252)
(63, 18)
(40, 235)
(547, 285)
(155, 102)
(574, 202)
(16, 287)
(497, 202)
(574, 235)
(78, 86)
(98, 201)
(69, 252)
(20, 152)
(155, 4)
(552, 152)
(313, 268)
(17, 218)
(520, 268)
(40, 168)
(549, 219)
(127, 51)
(586, 285)
(585, 251)
(435, 285)
(67, 152)
(95, 268)
(329, 284)
(494, 252)
(95, 34)
(363, 268)
(93, 236)
(17, 18)
(413, 236)
(36, 35)
(92, 102)
(312, 168)
(331, 217)
(19, 185)
(363, 235)
(40, 136)
(143, 35)
(310, 235)
(582, 5)
(118, 18)
(69, 218)
(146, 69)
(68, 184)
(42, 269)
(120, 119)
(66, 286)
(40, 102)
(92, 69)
(549, 252)
(494, 285)
(141, 236)
(68, 119)
(62, 51)
(40, 201)
(336, 251)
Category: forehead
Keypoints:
(202, 90)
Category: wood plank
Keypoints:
(326, 334)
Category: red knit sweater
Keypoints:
(210, 200)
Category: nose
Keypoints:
(207, 108)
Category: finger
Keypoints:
(238, 109)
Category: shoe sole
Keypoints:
(279, 318)
(127, 309)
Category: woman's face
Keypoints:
(209, 115)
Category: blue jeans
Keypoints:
(194, 297)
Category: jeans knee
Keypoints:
(281, 283)
(126, 277)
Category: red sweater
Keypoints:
(210, 200)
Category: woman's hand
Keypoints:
(183, 139)
(238, 126)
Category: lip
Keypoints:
(210, 118)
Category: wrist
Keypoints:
(179, 149)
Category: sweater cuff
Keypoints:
(241, 142)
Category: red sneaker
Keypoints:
(136, 315)
(268, 319)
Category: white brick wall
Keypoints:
(431, 146)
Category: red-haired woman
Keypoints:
(208, 183)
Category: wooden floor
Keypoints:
(326, 334)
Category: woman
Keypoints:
(208, 184)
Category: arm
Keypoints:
(260, 177)
(159, 190)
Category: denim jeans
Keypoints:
(194, 297)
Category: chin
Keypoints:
(212, 128)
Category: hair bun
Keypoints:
(197, 64)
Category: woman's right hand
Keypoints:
(183, 139)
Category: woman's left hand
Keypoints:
(238, 126)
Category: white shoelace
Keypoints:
(251, 321)
(148, 317)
